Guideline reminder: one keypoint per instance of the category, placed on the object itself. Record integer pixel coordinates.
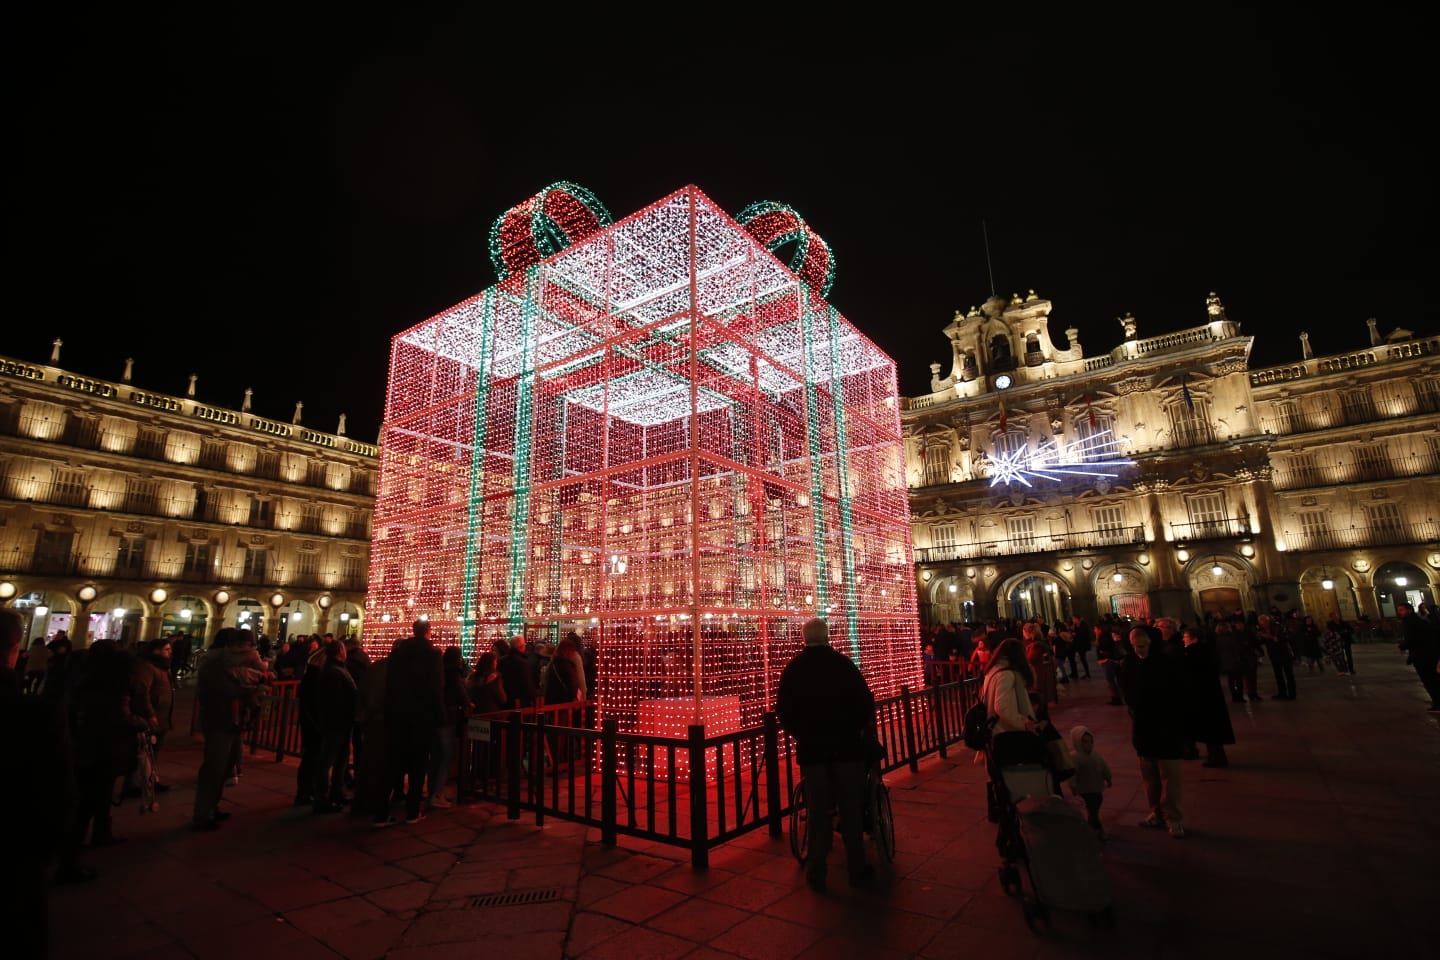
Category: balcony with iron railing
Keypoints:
(1039, 543)
(1348, 416)
(149, 504)
(1356, 471)
(1366, 535)
(1224, 528)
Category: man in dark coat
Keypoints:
(221, 699)
(1419, 640)
(414, 707)
(515, 675)
(827, 707)
(1154, 690)
(38, 803)
(1207, 717)
(335, 703)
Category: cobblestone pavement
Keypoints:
(1316, 842)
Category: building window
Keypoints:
(1190, 427)
(937, 463)
(1371, 463)
(197, 558)
(1110, 521)
(354, 571)
(1021, 530)
(70, 488)
(141, 495)
(1012, 443)
(254, 563)
(1097, 440)
(306, 564)
(130, 554)
(1207, 515)
(1385, 519)
(1285, 419)
(943, 537)
(1315, 525)
(1428, 393)
(1315, 530)
(262, 512)
(1358, 406)
(1303, 472)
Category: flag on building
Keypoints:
(1091, 411)
(1185, 392)
(1003, 420)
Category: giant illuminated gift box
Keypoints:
(658, 437)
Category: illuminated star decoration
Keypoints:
(1047, 462)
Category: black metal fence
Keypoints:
(697, 792)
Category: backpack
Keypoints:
(976, 732)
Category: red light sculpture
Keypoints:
(663, 439)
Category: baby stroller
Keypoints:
(1042, 837)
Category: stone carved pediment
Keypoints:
(1132, 385)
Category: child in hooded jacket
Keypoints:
(1092, 775)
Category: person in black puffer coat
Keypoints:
(824, 703)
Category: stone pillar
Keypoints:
(1365, 597)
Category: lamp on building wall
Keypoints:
(1326, 583)
(7, 589)
(1401, 581)
(1182, 554)
(1215, 568)
(158, 595)
(86, 593)
(1117, 576)
(953, 588)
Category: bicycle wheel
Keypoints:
(799, 823)
(884, 820)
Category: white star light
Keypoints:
(1048, 463)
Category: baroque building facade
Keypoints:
(129, 513)
(1167, 477)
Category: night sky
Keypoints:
(265, 202)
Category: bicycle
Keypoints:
(877, 820)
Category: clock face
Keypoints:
(1003, 381)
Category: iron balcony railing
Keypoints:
(1347, 416)
(1220, 529)
(1037, 543)
(1369, 535)
(149, 504)
(1355, 471)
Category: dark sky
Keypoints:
(265, 201)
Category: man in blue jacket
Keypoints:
(826, 706)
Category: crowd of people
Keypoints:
(379, 738)
(1172, 678)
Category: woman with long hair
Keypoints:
(1006, 689)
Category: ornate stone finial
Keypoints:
(1032, 296)
(340, 430)
(959, 316)
(1128, 322)
(55, 351)
(1305, 351)
(1214, 307)
(1015, 299)
(1371, 323)
(299, 405)
(190, 390)
(129, 368)
(245, 404)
